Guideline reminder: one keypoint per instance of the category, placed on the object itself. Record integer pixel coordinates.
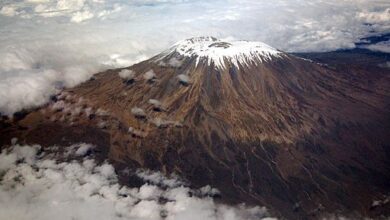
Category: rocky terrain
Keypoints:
(306, 139)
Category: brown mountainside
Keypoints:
(264, 127)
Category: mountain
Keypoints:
(261, 125)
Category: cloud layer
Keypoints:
(49, 44)
(33, 186)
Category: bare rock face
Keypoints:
(263, 126)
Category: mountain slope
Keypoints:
(263, 126)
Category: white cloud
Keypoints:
(8, 10)
(381, 47)
(26, 89)
(35, 186)
(375, 16)
(155, 103)
(126, 74)
(174, 62)
(48, 44)
(138, 112)
(149, 75)
(158, 178)
(38, 1)
(83, 149)
(183, 78)
(81, 16)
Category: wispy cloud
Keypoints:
(381, 46)
(48, 44)
(33, 186)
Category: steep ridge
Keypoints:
(262, 126)
(220, 53)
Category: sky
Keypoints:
(46, 45)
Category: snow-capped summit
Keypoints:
(261, 132)
(219, 52)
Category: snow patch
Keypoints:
(219, 52)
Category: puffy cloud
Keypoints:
(381, 46)
(8, 10)
(375, 16)
(30, 74)
(45, 45)
(126, 74)
(58, 106)
(76, 10)
(138, 112)
(184, 79)
(175, 62)
(156, 104)
(35, 186)
(20, 89)
(84, 149)
(157, 178)
(288, 25)
(149, 75)
(81, 16)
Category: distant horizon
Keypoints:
(194, 109)
(44, 43)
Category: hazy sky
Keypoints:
(46, 44)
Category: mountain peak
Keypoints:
(276, 129)
(218, 52)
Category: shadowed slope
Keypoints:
(263, 127)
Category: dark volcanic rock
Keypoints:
(299, 137)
